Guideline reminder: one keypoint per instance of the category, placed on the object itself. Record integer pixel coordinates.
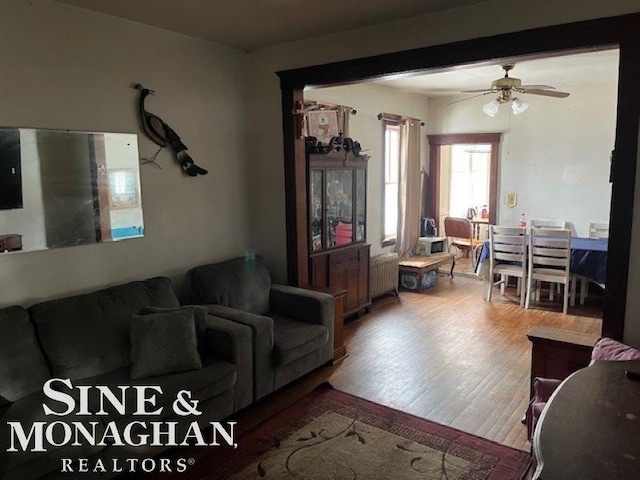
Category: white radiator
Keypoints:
(383, 274)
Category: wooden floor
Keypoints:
(445, 355)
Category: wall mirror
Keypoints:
(60, 189)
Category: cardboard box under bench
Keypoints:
(420, 273)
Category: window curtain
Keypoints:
(409, 188)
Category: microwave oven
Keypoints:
(427, 246)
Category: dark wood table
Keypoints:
(557, 353)
(590, 428)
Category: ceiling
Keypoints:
(250, 24)
(583, 68)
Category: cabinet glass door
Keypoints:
(339, 207)
(315, 210)
(361, 201)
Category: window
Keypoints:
(391, 174)
(469, 178)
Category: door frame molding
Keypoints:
(590, 35)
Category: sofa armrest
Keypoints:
(303, 305)
(262, 342)
(232, 342)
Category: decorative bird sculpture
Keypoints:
(162, 134)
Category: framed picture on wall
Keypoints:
(123, 189)
(322, 124)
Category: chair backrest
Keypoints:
(598, 230)
(550, 224)
(457, 228)
(550, 248)
(507, 244)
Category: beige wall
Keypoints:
(555, 156)
(266, 177)
(369, 100)
(67, 68)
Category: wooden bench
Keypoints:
(421, 265)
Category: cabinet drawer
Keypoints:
(341, 259)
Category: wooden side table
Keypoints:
(558, 353)
(339, 294)
(418, 266)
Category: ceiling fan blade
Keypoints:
(469, 98)
(537, 87)
(481, 90)
(547, 93)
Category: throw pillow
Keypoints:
(163, 343)
(199, 314)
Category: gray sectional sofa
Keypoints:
(86, 339)
(251, 337)
(292, 328)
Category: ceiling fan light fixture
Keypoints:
(519, 106)
(491, 108)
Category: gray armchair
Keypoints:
(292, 328)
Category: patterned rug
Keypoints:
(333, 435)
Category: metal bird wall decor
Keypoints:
(162, 134)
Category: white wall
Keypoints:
(555, 156)
(369, 100)
(69, 68)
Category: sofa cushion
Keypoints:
(163, 343)
(23, 369)
(242, 283)
(293, 340)
(214, 378)
(87, 335)
(35, 464)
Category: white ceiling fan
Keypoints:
(506, 88)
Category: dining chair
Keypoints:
(549, 261)
(550, 224)
(459, 233)
(508, 258)
(598, 230)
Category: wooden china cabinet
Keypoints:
(339, 254)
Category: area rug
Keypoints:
(333, 435)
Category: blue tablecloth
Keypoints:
(588, 257)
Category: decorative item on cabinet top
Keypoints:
(326, 127)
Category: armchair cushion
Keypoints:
(163, 343)
(242, 283)
(293, 340)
